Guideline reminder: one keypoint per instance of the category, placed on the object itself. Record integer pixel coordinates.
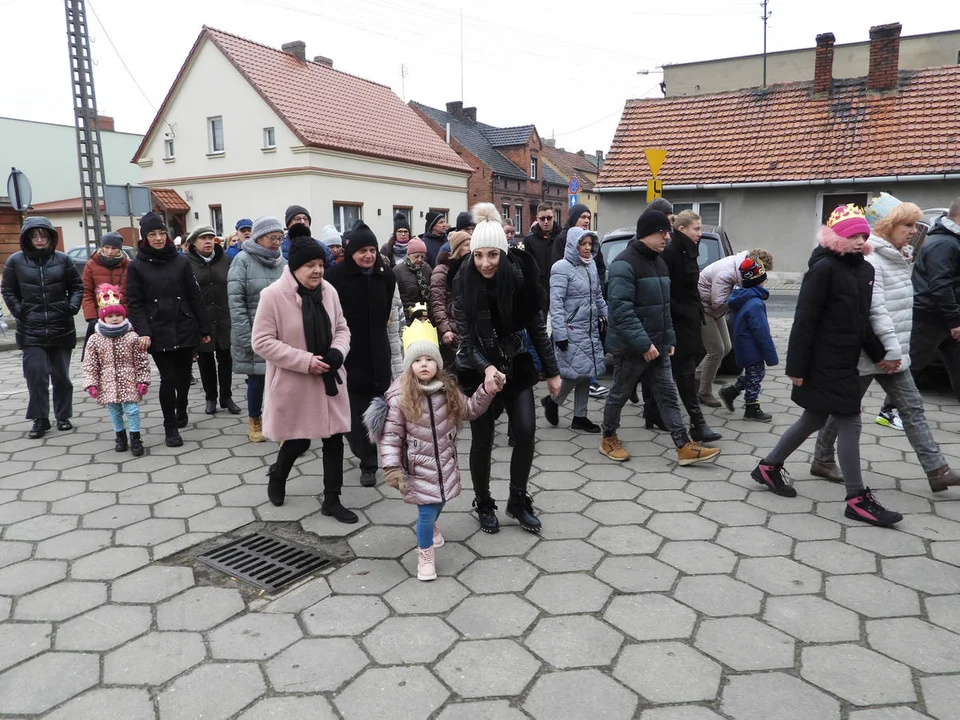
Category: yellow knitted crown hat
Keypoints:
(420, 338)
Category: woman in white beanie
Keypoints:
(496, 296)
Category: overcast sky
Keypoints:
(567, 70)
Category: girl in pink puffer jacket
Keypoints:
(415, 427)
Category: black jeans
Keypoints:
(175, 368)
(216, 367)
(523, 423)
(684, 375)
(41, 367)
(332, 462)
(360, 444)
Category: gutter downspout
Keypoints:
(791, 183)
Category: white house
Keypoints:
(247, 130)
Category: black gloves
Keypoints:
(563, 345)
(333, 358)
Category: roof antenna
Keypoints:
(766, 16)
(461, 54)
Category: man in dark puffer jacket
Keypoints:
(43, 291)
(642, 339)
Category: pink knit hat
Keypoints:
(416, 245)
(848, 220)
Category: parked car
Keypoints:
(79, 255)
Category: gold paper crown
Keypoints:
(845, 212)
(417, 331)
(108, 295)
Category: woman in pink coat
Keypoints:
(300, 331)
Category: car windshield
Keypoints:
(709, 250)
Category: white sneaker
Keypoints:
(598, 391)
(890, 419)
(426, 565)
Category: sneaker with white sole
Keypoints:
(890, 418)
(598, 391)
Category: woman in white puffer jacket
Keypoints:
(891, 317)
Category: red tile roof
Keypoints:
(570, 164)
(783, 133)
(169, 200)
(327, 108)
(54, 207)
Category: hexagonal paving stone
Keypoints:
(381, 692)
(110, 563)
(924, 574)
(220, 520)
(812, 619)
(887, 544)
(776, 695)
(41, 528)
(23, 577)
(573, 641)
(696, 557)
(309, 707)
(409, 640)
(569, 593)
(718, 595)
(637, 574)
(779, 576)
(493, 616)
(486, 709)
(216, 691)
(668, 672)
(53, 491)
(611, 489)
(551, 501)
(733, 513)
(683, 712)
(618, 512)
(858, 675)
(127, 703)
(413, 596)
(104, 628)
(45, 681)
(835, 557)
(917, 643)
(577, 694)
(484, 668)
(498, 575)
(510, 541)
(150, 532)
(18, 510)
(564, 556)
(650, 617)
(872, 596)
(151, 585)
(18, 641)
(745, 644)
(940, 695)
(185, 506)
(367, 577)
(754, 541)
(199, 609)
(116, 516)
(379, 541)
(254, 637)
(805, 526)
(944, 611)
(61, 601)
(13, 552)
(295, 669)
(625, 540)
(344, 615)
(566, 526)
(73, 544)
(683, 526)
(153, 659)
(670, 501)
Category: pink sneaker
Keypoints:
(437, 537)
(426, 565)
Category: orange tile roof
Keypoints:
(69, 205)
(169, 200)
(782, 133)
(327, 108)
(570, 164)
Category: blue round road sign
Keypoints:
(574, 186)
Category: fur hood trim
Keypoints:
(830, 240)
(375, 419)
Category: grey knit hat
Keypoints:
(264, 225)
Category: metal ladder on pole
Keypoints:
(87, 124)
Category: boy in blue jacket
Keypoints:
(753, 346)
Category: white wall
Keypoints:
(71, 226)
(248, 182)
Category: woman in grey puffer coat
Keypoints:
(577, 309)
(259, 264)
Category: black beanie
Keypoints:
(303, 249)
(360, 236)
(112, 239)
(465, 220)
(432, 218)
(150, 222)
(400, 222)
(651, 222)
(293, 211)
(661, 204)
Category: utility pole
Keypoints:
(87, 124)
(461, 54)
(403, 81)
(766, 16)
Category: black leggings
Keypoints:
(290, 450)
(175, 368)
(523, 423)
(216, 368)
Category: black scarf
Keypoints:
(110, 263)
(318, 331)
(423, 279)
(489, 322)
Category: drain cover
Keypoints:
(265, 561)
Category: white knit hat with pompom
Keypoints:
(489, 230)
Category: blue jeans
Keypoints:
(528, 346)
(426, 519)
(118, 410)
(255, 385)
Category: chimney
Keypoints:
(106, 123)
(470, 114)
(599, 159)
(455, 108)
(297, 48)
(550, 142)
(884, 57)
(823, 64)
(323, 60)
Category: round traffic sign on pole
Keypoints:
(574, 186)
(18, 190)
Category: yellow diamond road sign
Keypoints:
(655, 158)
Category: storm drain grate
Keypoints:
(265, 561)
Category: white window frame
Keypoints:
(169, 149)
(518, 216)
(212, 124)
(505, 211)
(269, 138)
(339, 219)
(216, 219)
(533, 168)
(695, 206)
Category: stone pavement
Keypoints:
(657, 592)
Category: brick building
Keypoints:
(507, 163)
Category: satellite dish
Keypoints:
(19, 190)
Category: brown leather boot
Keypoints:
(942, 478)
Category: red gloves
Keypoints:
(92, 390)
(142, 388)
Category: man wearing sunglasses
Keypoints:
(539, 242)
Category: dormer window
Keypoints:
(533, 168)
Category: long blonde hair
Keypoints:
(412, 395)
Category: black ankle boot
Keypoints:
(332, 508)
(520, 508)
(173, 438)
(652, 420)
(753, 411)
(136, 444)
(703, 433)
(487, 513)
(121, 444)
(276, 486)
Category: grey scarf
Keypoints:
(270, 258)
(113, 331)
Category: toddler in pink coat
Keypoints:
(415, 426)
